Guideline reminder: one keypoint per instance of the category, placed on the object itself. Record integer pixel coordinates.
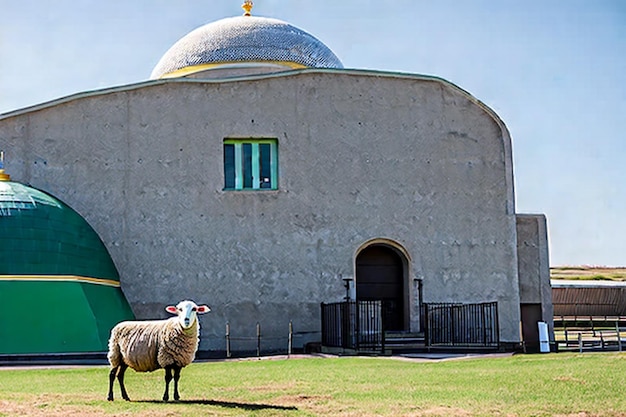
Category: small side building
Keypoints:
(589, 298)
(534, 278)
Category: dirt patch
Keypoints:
(585, 414)
(570, 379)
(441, 412)
(47, 407)
(273, 388)
(299, 399)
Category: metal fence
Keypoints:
(354, 325)
(247, 345)
(462, 325)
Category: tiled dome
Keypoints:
(245, 40)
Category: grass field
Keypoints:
(564, 384)
(588, 273)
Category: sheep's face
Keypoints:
(187, 312)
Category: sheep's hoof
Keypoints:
(166, 398)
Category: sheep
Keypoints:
(149, 345)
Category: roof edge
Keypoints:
(581, 283)
(253, 77)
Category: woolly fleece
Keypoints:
(149, 345)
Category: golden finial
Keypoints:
(3, 176)
(247, 6)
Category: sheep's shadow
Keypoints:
(225, 404)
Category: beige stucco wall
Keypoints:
(362, 155)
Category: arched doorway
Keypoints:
(380, 271)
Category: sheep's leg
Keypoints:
(120, 378)
(168, 378)
(176, 378)
(112, 376)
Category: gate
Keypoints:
(356, 325)
(462, 325)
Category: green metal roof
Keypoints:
(46, 237)
(59, 287)
(58, 317)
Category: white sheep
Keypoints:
(149, 345)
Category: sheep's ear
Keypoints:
(203, 309)
(171, 309)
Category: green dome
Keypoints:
(47, 237)
(59, 287)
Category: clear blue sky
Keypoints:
(554, 70)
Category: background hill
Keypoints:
(588, 273)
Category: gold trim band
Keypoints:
(61, 278)
(192, 69)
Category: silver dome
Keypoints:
(246, 39)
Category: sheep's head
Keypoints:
(187, 312)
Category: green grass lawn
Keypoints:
(564, 384)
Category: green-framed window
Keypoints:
(250, 164)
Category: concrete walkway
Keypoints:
(411, 357)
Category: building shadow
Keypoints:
(225, 404)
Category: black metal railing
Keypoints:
(462, 325)
(353, 325)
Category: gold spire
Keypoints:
(3, 176)
(247, 6)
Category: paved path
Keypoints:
(411, 357)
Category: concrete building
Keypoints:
(256, 174)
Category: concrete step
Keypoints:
(404, 341)
(403, 337)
